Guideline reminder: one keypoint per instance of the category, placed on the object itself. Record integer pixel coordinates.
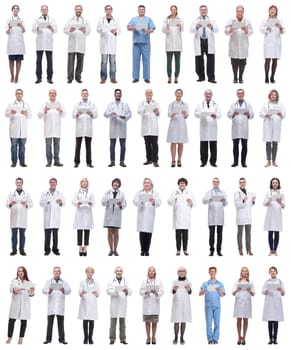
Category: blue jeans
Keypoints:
(112, 66)
(48, 148)
(143, 51)
(18, 150)
(14, 240)
(112, 149)
(212, 314)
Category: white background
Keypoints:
(36, 176)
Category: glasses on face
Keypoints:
(108, 8)
(15, 8)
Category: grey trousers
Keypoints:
(71, 65)
(247, 236)
(112, 331)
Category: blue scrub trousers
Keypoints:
(212, 314)
(143, 51)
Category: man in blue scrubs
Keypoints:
(141, 26)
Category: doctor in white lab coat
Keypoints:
(44, 27)
(118, 289)
(52, 201)
(208, 112)
(216, 201)
(18, 202)
(56, 290)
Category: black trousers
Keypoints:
(219, 229)
(273, 329)
(88, 328)
(210, 64)
(181, 237)
(273, 237)
(238, 67)
(49, 63)
(71, 65)
(88, 141)
(145, 241)
(50, 323)
(11, 323)
(204, 152)
(152, 148)
(80, 237)
(244, 150)
(48, 232)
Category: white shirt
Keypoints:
(18, 122)
(84, 121)
(77, 39)
(108, 40)
(44, 35)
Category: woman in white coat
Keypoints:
(173, 27)
(182, 202)
(272, 27)
(22, 289)
(89, 291)
(273, 290)
(275, 202)
(273, 112)
(177, 132)
(146, 200)
(15, 44)
(84, 201)
(243, 290)
(181, 305)
(114, 201)
(151, 290)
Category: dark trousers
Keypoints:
(152, 148)
(71, 65)
(181, 237)
(273, 237)
(122, 327)
(11, 323)
(204, 152)
(78, 150)
(145, 241)
(244, 150)
(122, 149)
(247, 236)
(177, 55)
(88, 328)
(47, 240)
(14, 239)
(238, 67)
(210, 64)
(271, 150)
(49, 62)
(50, 323)
(80, 237)
(212, 237)
(273, 329)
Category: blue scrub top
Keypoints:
(212, 299)
(139, 37)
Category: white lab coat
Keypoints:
(273, 218)
(84, 121)
(44, 36)
(215, 208)
(15, 43)
(173, 34)
(18, 122)
(240, 122)
(238, 40)
(113, 212)
(118, 126)
(146, 211)
(20, 302)
(181, 208)
(208, 125)
(273, 306)
(209, 34)
(83, 216)
(151, 302)
(177, 130)
(88, 309)
(51, 210)
(243, 208)
(18, 211)
(149, 120)
(118, 299)
(108, 40)
(52, 119)
(272, 125)
(56, 299)
(77, 39)
(243, 300)
(181, 304)
(272, 39)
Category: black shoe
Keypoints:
(115, 253)
(146, 254)
(212, 81)
(186, 253)
(135, 81)
(12, 253)
(219, 254)
(58, 164)
(86, 340)
(50, 81)
(57, 253)
(214, 342)
(202, 165)
(244, 165)
(69, 81)
(214, 165)
(270, 341)
(235, 81)
(112, 341)
(38, 81)
(91, 340)
(175, 341)
(142, 254)
(200, 79)
(79, 81)
(241, 81)
(90, 166)
(46, 253)
(63, 342)
(234, 165)
(275, 341)
(211, 253)
(110, 253)
(23, 253)
(148, 162)
(13, 165)
(182, 341)
(76, 165)
(147, 81)
(47, 342)
(156, 165)
(272, 80)
(111, 164)
(122, 164)
(210, 342)
(23, 165)
(267, 80)
(123, 342)
(49, 165)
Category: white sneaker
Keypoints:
(268, 164)
(274, 164)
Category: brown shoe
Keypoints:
(102, 81)
(241, 252)
(114, 81)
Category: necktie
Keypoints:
(208, 104)
(114, 196)
(44, 17)
(204, 36)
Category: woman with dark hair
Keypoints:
(272, 27)
(22, 289)
(275, 202)
(114, 201)
(15, 44)
(273, 112)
